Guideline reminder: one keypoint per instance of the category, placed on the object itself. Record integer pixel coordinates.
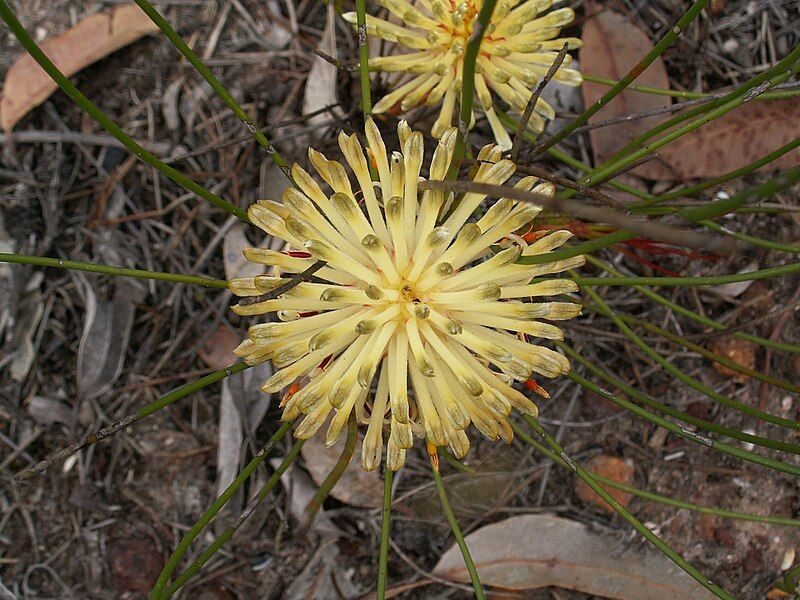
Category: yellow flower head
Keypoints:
(405, 295)
(518, 48)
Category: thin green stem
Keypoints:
(646, 400)
(147, 410)
(215, 84)
(363, 57)
(468, 83)
(647, 200)
(750, 239)
(734, 366)
(652, 496)
(789, 582)
(693, 214)
(219, 503)
(724, 206)
(697, 318)
(646, 89)
(676, 372)
(588, 247)
(591, 481)
(584, 168)
(75, 265)
(638, 149)
(226, 535)
(689, 281)
(337, 471)
(714, 181)
(685, 433)
(93, 111)
(386, 528)
(664, 43)
(454, 462)
(451, 519)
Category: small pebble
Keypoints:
(788, 559)
(730, 46)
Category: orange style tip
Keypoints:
(536, 235)
(536, 388)
(293, 389)
(433, 455)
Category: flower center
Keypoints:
(463, 17)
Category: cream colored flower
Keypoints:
(517, 50)
(406, 295)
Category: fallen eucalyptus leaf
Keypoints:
(737, 288)
(217, 350)
(300, 489)
(246, 388)
(716, 148)
(277, 37)
(321, 81)
(356, 487)
(106, 332)
(27, 85)
(229, 440)
(612, 45)
(49, 410)
(325, 572)
(536, 551)
(236, 265)
(25, 325)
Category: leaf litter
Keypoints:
(535, 551)
(612, 45)
(27, 85)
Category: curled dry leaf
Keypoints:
(236, 265)
(737, 288)
(106, 332)
(356, 487)
(321, 82)
(612, 467)
(30, 308)
(537, 551)
(27, 85)
(230, 440)
(49, 410)
(217, 350)
(325, 571)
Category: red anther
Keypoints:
(298, 254)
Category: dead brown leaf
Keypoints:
(611, 467)
(356, 487)
(612, 45)
(537, 551)
(27, 85)
(742, 352)
(734, 140)
(217, 351)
